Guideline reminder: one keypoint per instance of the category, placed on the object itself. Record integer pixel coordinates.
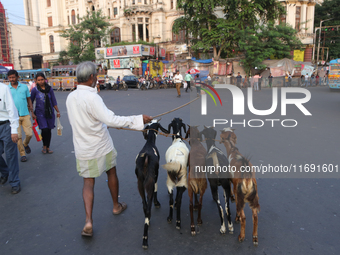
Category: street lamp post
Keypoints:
(317, 58)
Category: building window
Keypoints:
(93, 9)
(282, 19)
(133, 2)
(297, 18)
(172, 4)
(140, 32)
(145, 1)
(147, 32)
(139, 1)
(146, 20)
(49, 21)
(109, 13)
(133, 32)
(140, 20)
(48, 3)
(115, 35)
(180, 37)
(51, 44)
(115, 11)
(73, 16)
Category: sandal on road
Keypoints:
(49, 151)
(87, 231)
(27, 149)
(23, 159)
(123, 207)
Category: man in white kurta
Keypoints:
(94, 150)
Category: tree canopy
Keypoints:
(244, 27)
(331, 37)
(83, 38)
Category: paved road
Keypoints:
(298, 215)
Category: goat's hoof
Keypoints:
(255, 241)
(169, 220)
(178, 225)
(195, 207)
(232, 198)
(231, 228)
(240, 238)
(223, 230)
(237, 220)
(199, 222)
(145, 242)
(193, 233)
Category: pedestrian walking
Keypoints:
(238, 80)
(94, 150)
(245, 81)
(23, 103)
(312, 79)
(188, 78)
(44, 110)
(289, 80)
(9, 123)
(178, 81)
(317, 80)
(209, 79)
(270, 79)
(198, 84)
(306, 80)
(256, 81)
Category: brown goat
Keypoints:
(197, 181)
(245, 186)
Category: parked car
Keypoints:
(131, 81)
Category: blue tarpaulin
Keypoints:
(204, 61)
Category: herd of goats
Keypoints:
(178, 158)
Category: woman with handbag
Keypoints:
(45, 102)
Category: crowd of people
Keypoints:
(16, 111)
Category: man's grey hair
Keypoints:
(84, 71)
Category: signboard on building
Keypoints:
(152, 51)
(162, 53)
(299, 55)
(124, 51)
(125, 63)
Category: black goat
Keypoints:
(147, 164)
(215, 161)
(177, 125)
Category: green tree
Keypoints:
(207, 30)
(83, 37)
(331, 37)
(265, 41)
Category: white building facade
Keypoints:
(133, 20)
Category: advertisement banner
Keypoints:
(216, 66)
(116, 63)
(123, 51)
(126, 63)
(277, 72)
(162, 52)
(299, 55)
(145, 50)
(152, 51)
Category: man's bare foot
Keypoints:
(119, 208)
(87, 230)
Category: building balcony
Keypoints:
(137, 9)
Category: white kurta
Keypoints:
(89, 118)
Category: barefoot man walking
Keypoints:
(89, 118)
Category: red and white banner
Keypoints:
(152, 51)
(116, 63)
(135, 49)
(109, 52)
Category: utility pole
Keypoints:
(317, 58)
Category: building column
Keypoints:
(144, 30)
(303, 18)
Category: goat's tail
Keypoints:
(172, 166)
(246, 164)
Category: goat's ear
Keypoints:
(184, 127)
(163, 129)
(169, 128)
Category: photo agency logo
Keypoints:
(239, 104)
